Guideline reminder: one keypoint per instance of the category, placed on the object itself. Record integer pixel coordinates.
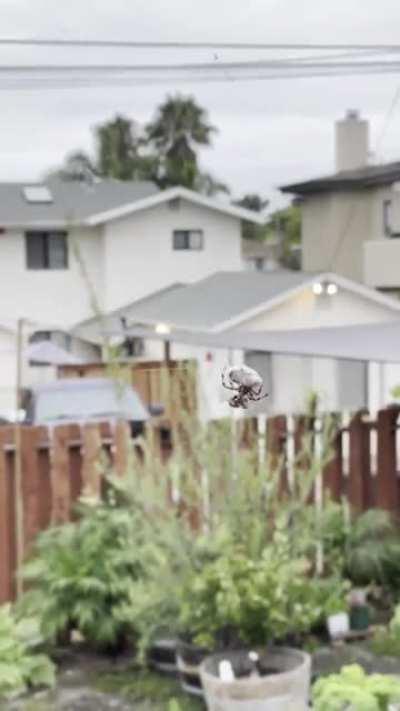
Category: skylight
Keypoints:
(37, 194)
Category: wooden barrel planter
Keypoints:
(162, 656)
(189, 658)
(281, 682)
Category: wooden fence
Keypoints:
(56, 470)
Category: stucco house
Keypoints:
(247, 301)
(351, 218)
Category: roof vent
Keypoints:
(37, 194)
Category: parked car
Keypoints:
(82, 400)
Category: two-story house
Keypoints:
(351, 219)
(67, 248)
(69, 251)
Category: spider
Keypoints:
(246, 381)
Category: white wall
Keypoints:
(139, 257)
(49, 297)
(306, 310)
(7, 374)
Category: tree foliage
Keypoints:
(165, 152)
(252, 201)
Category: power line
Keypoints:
(115, 78)
(57, 42)
(213, 67)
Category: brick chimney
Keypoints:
(351, 142)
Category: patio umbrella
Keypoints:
(378, 342)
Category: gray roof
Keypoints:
(203, 305)
(72, 200)
(90, 328)
(366, 177)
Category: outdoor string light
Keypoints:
(326, 287)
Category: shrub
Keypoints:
(236, 599)
(81, 572)
(21, 664)
(354, 689)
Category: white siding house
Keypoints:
(59, 263)
(69, 251)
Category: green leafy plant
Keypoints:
(22, 665)
(355, 690)
(82, 572)
(386, 640)
(236, 599)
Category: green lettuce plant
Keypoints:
(22, 665)
(353, 690)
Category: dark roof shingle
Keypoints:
(368, 176)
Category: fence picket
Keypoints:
(387, 490)
(7, 518)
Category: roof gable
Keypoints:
(172, 194)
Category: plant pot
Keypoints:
(189, 658)
(359, 617)
(283, 683)
(162, 656)
(338, 625)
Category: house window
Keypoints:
(46, 250)
(387, 217)
(188, 239)
(40, 336)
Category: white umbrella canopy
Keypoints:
(378, 342)
(51, 354)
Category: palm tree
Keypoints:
(119, 155)
(179, 127)
(118, 148)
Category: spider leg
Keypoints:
(258, 396)
(228, 386)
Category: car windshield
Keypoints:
(104, 400)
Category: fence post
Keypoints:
(7, 519)
(31, 484)
(276, 440)
(60, 476)
(121, 447)
(387, 488)
(332, 478)
(92, 449)
(359, 484)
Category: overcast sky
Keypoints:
(269, 132)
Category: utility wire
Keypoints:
(112, 78)
(212, 67)
(57, 42)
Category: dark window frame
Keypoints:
(181, 240)
(46, 245)
(386, 207)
